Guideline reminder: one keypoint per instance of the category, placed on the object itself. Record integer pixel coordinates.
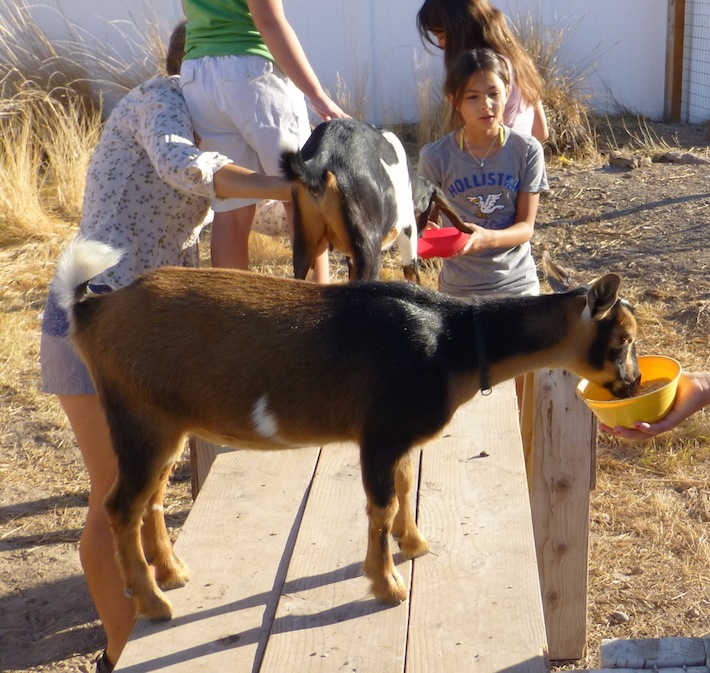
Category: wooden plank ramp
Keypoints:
(275, 543)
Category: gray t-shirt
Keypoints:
(488, 197)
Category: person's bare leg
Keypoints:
(96, 551)
(229, 245)
(321, 267)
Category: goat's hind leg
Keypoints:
(307, 233)
(170, 571)
(411, 541)
(143, 453)
(378, 475)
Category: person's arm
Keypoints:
(161, 126)
(539, 127)
(232, 181)
(521, 231)
(285, 47)
(693, 394)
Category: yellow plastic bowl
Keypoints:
(658, 372)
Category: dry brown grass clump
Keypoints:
(571, 134)
(51, 115)
(46, 142)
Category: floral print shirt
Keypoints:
(148, 188)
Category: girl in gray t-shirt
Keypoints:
(493, 176)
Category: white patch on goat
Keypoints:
(264, 421)
(399, 177)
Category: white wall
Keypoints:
(624, 42)
(374, 46)
(114, 23)
(118, 31)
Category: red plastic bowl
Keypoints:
(441, 242)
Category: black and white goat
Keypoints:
(254, 360)
(354, 190)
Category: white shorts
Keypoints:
(245, 108)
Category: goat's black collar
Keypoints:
(483, 370)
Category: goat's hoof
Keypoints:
(390, 588)
(154, 607)
(171, 581)
(172, 575)
(414, 545)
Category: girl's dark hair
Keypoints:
(473, 24)
(469, 63)
(176, 49)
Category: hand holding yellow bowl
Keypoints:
(659, 376)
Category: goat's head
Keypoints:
(611, 327)
(428, 200)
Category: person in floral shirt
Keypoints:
(148, 192)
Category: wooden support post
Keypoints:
(202, 455)
(564, 444)
(674, 60)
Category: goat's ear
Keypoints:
(423, 202)
(559, 278)
(448, 210)
(426, 196)
(602, 295)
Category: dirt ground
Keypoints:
(649, 543)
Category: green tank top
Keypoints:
(221, 28)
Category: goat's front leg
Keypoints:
(387, 584)
(407, 243)
(411, 272)
(365, 262)
(170, 571)
(378, 479)
(411, 541)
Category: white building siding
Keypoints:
(623, 41)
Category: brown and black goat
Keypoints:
(254, 360)
(353, 189)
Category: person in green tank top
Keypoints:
(244, 78)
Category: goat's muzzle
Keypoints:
(626, 387)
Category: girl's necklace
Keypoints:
(481, 162)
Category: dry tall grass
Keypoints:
(571, 134)
(46, 142)
(50, 116)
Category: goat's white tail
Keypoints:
(80, 262)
